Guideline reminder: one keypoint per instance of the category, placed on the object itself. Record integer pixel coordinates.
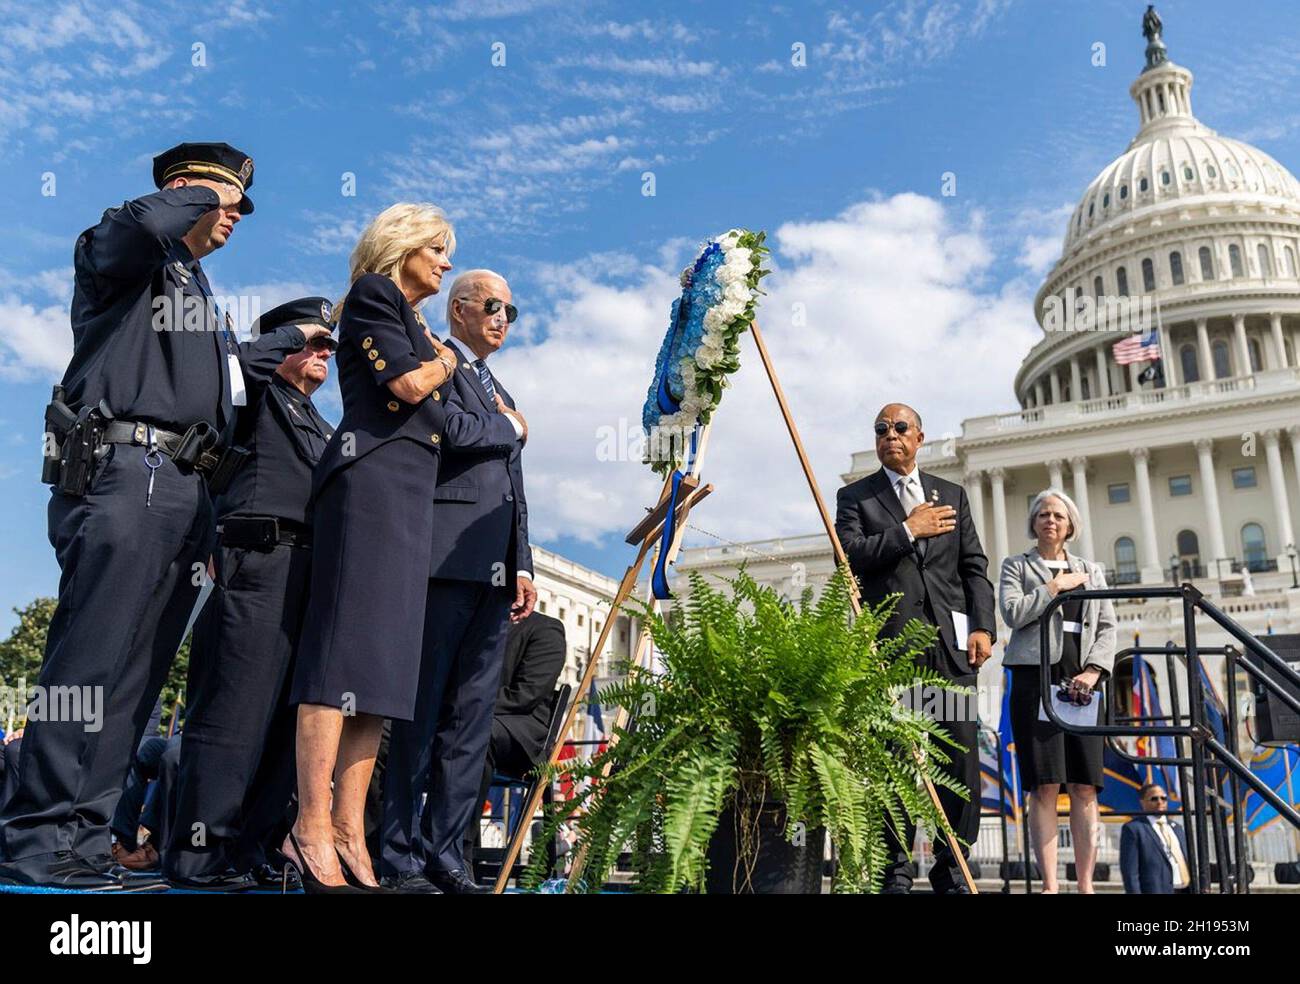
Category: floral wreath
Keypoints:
(702, 347)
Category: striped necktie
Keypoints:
(485, 378)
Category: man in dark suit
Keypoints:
(534, 660)
(480, 580)
(1152, 849)
(907, 532)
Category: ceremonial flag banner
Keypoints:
(1137, 348)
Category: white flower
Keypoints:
(731, 308)
(741, 257)
(688, 374)
(727, 274)
(713, 320)
(729, 239)
(736, 291)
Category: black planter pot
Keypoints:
(780, 868)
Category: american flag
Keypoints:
(1137, 348)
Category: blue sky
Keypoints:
(540, 161)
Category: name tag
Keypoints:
(238, 392)
(1076, 627)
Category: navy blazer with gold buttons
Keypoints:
(380, 338)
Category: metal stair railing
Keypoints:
(1223, 756)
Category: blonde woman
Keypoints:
(359, 658)
(1081, 644)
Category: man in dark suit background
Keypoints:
(1152, 849)
(907, 532)
(535, 652)
(480, 580)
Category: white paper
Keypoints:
(238, 394)
(960, 629)
(1071, 713)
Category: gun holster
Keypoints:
(199, 438)
(228, 465)
(81, 448)
(59, 420)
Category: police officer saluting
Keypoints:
(138, 439)
(237, 768)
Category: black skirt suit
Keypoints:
(373, 516)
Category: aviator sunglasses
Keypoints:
(494, 304)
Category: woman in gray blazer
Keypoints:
(1082, 649)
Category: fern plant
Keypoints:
(758, 700)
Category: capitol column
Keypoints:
(1279, 342)
(1038, 393)
(1076, 379)
(1054, 479)
(1243, 346)
(1277, 482)
(1293, 433)
(973, 483)
(1207, 354)
(1210, 491)
(1080, 466)
(1055, 380)
(997, 477)
(1103, 373)
(1152, 569)
(1173, 376)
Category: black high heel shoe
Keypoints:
(310, 883)
(356, 882)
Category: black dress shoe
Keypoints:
(226, 881)
(456, 882)
(409, 883)
(61, 870)
(132, 881)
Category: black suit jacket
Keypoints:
(534, 659)
(950, 573)
(480, 530)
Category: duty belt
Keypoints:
(185, 449)
(262, 532)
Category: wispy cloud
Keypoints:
(35, 333)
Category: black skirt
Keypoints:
(363, 636)
(1045, 752)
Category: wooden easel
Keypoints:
(649, 531)
(646, 533)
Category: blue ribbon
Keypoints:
(659, 578)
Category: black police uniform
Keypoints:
(374, 516)
(132, 546)
(237, 767)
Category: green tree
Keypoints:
(22, 653)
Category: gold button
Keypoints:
(434, 438)
(374, 354)
(437, 395)
(392, 405)
(379, 366)
(367, 342)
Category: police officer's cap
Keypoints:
(303, 311)
(216, 161)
